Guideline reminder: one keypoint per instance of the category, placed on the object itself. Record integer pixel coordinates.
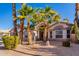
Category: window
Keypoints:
(50, 34)
(59, 33)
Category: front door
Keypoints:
(41, 34)
(68, 33)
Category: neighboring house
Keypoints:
(56, 31)
(4, 32)
(18, 31)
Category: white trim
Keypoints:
(64, 34)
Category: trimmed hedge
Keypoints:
(10, 42)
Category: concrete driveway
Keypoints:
(39, 49)
(55, 49)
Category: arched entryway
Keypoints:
(40, 30)
(41, 33)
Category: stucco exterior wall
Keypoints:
(64, 34)
(72, 38)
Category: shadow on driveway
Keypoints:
(25, 53)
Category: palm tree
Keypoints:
(14, 18)
(48, 13)
(21, 18)
(21, 27)
(27, 12)
(45, 15)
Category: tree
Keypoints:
(47, 14)
(14, 18)
(21, 18)
(76, 32)
(26, 12)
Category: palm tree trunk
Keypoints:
(46, 34)
(29, 31)
(21, 29)
(46, 31)
(14, 18)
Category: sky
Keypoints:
(65, 10)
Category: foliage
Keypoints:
(66, 43)
(38, 15)
(41, 15)
(76, 29)
(35, 16)
(10, 42)
(56, 18)
(76, 32)
(73, 29)
(41, 28)
(66, 20)
(27, 12)
(32, 27)
(49, 21)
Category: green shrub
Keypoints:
(10, 42)
(66, 43)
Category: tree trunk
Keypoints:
(14, 18)
(46, 34)
(21, 29)
(29, 31)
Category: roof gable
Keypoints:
(59, 25)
